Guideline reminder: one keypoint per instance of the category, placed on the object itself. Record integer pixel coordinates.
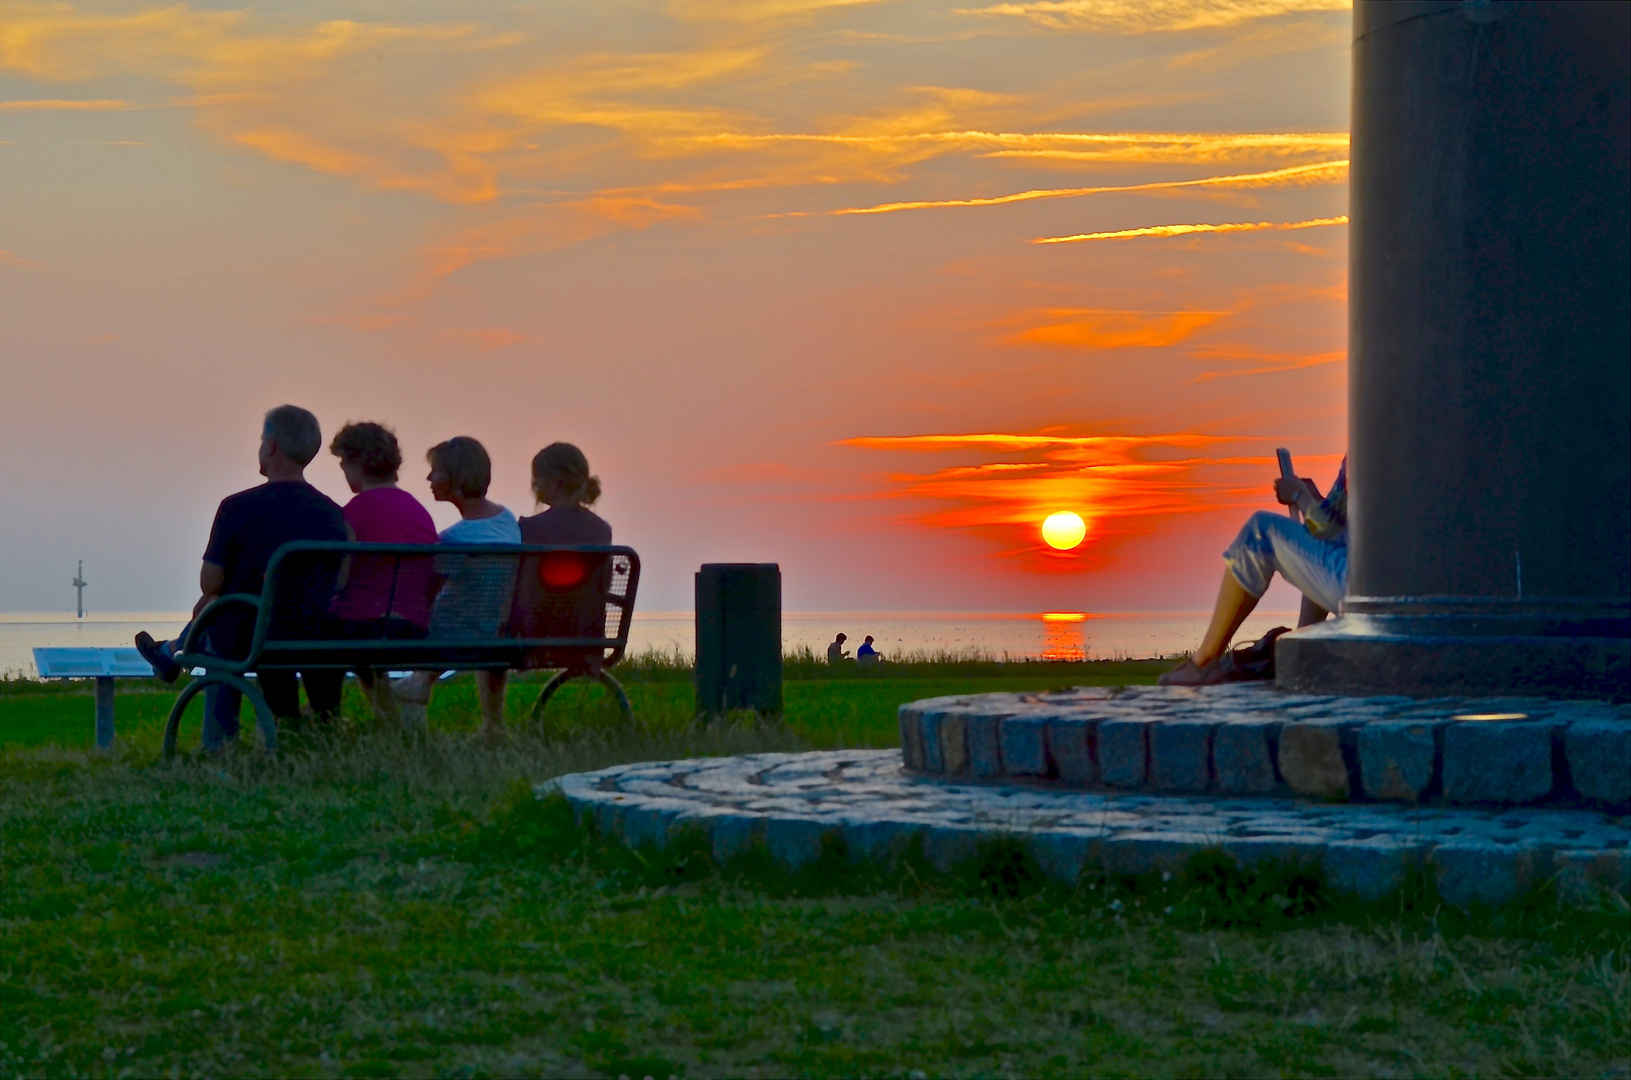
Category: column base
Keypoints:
(1461, 648)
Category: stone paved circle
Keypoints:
(792, 803)
(1250, 739)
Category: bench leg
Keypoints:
(263, 714)
(560, 679)
(104, 712)
(622, 699)
(556, 681)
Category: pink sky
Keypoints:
(776, 265)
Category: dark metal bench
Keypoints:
(442, 607)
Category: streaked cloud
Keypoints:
(1322, 172)
(1254, 362)
(1184, 230)
(65, 104)
(1151, 16)
(1087, 329)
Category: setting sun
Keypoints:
(1064, 530)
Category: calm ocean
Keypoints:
(1053, 636)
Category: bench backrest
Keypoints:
(553, 606)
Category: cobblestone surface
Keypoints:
(791, 803)
(1253, 740)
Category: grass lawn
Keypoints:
(364, 908)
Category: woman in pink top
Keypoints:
(383, 596)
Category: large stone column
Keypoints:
(1490, 356)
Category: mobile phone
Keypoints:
(1290, 473)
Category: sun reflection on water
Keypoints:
(1062, 635)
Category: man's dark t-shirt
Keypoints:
(251, 525)
(249, 528)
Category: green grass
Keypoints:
(829, 707)
(363, 907)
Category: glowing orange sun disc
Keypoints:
(1064, 530)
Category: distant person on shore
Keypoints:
(249, 527)
(866, 654)
(1312, 555)
(474, 599)
(381, 599)
(835, 651)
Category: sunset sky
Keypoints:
(868, 289)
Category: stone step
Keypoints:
(1253, 740)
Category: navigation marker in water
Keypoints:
(79, 584)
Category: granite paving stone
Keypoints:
(1599, 755)
(1180, 755)
(1071, 745)
(1397, 759)
(1497, 761)
(911, 738)
(866, 798)
(1024, 745)
(1311, 759)
(1243, 751)
(954, 742)
(984, 744)
(1488, 874)
(1123, 752)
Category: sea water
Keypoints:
(1058, 635)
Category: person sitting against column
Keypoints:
(383, 597)
(249, 528)
(1312, 555)
(473, 601)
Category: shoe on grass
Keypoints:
(1189, 673)
(164, 667)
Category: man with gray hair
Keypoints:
(249, 527)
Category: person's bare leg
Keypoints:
(1310, 613)
(412, 693)
(1231, 609)
(490, 688)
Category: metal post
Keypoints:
(1489, 383)
(104, 711)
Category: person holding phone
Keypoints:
(1311, 554)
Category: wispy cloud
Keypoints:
(1184, 230)
(1323, 172)
(1087, 329)
(1255, 362)
(1150, 16)
(68, 104)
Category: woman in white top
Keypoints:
(474, 598)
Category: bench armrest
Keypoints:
(186, 656)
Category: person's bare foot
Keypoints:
(1190, 673)
(492, 734)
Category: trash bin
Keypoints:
(739, 637)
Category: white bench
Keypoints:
(104, 665)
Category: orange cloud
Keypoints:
(1183, 230)
(96, 105)
(1120, 485)
(1119, 329)
(1150, 16)
(1123, 487)
(1323, 172)
(1262, 363)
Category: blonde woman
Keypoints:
(562, 482)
